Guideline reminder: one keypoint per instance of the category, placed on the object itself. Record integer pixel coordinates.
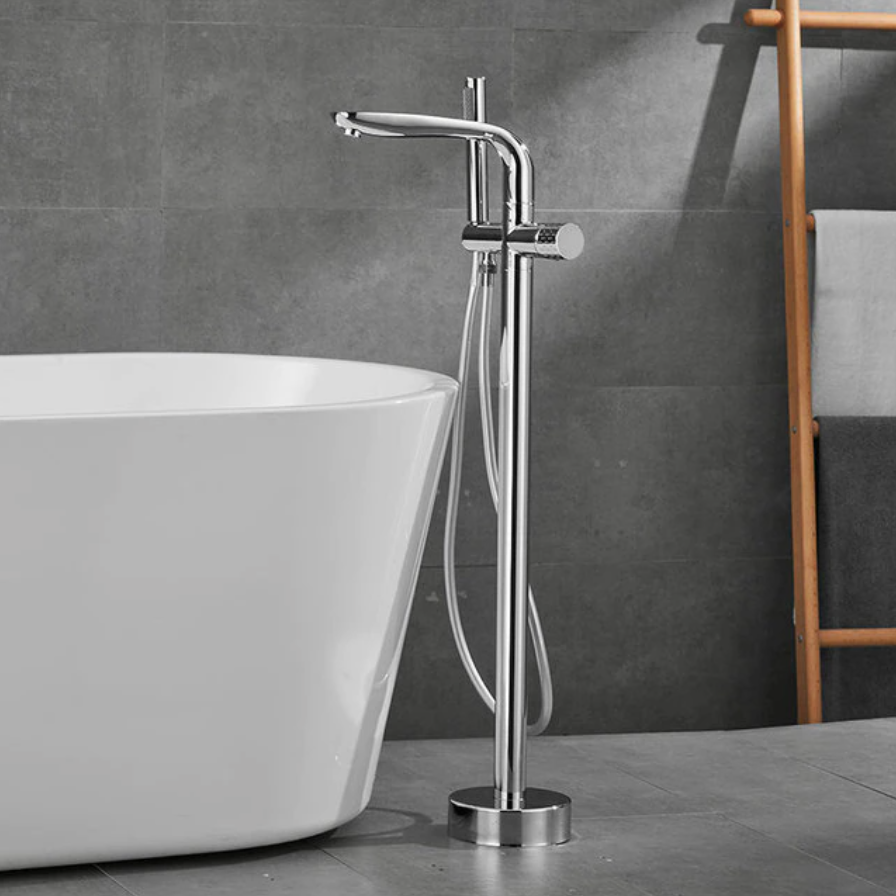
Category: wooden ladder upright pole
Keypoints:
(796, 284)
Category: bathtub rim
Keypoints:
(438, 384)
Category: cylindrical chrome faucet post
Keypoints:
(513, 532)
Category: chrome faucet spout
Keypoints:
(511, 150)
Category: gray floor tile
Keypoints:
(826, 816)
(86, 101)
(99, 294)
(399, 13)
(297, 868)
(248, 113)
(419, 775)
(718, 771)
(75, 880)
(864, 752)
(666, 814)
(409, 854)
(847, 826)
(709, 855)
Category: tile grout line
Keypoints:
(162, 116)
(535, 564)
(708, 813)
(350, 867)
(114, 880)
(391, 209)
(846, 778)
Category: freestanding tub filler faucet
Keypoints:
(509, 813)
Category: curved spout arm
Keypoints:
(512, 151)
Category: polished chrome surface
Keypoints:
(509, 813)
(557, 241)
(513, 530)
(543, 818)
(477, 158)
(519, 175)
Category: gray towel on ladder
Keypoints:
(857, 560)
(854, 397)
(854, 314)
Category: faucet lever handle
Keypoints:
(477, 163)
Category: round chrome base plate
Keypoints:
(544, 819)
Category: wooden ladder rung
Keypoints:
(857, 637)
(860, 21)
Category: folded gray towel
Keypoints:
(854, 314)
(857, 560)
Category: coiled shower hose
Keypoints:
(481, 288)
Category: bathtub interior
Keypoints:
(154, 383)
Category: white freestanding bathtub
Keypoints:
(206, 569)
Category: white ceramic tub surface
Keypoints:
(206, 568)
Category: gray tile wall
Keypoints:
(170, 179)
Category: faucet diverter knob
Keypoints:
(558, 241)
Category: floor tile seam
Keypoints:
(804, 852)
(115, 880)
(695, 813)
(636, 777)
(842, 777)
(347, 864)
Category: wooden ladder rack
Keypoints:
(789, 20)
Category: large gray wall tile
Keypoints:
(369, 285)
(650, 474)
(248, 113)
(645, 474)
(378, 13)
(81, 104)
(79, 280)
(617, 136)
(622, 15)
(867, 140)
(652, 301)
(634, 647)
(87, 10)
